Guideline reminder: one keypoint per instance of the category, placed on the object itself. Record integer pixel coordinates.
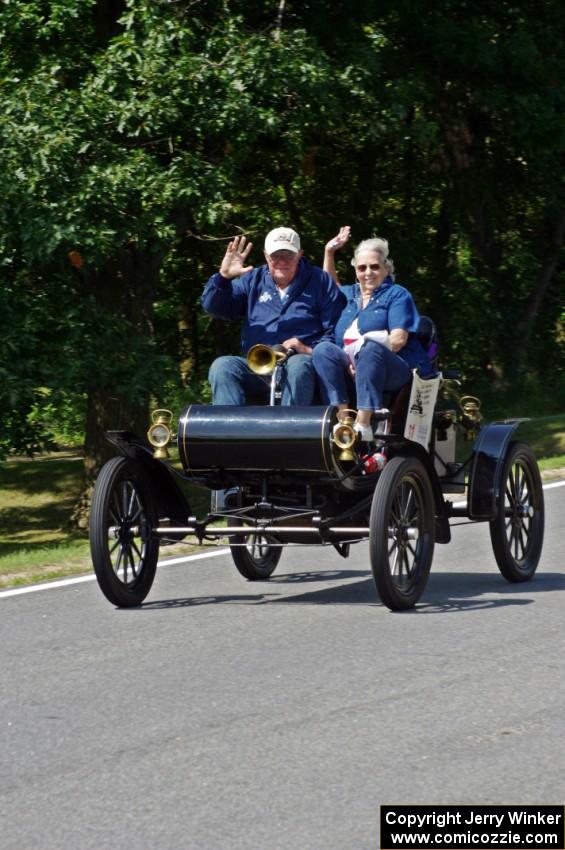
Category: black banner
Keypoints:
(472, 827)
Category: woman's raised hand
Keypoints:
(331, 247)
(233, 264)
(340, 240)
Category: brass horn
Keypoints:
(262, 359)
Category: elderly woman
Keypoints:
(376, 342)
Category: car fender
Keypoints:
(487, 462)
(408, 448)
(171, 502)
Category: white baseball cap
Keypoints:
(282, 239)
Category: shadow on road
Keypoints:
(193, 601)
(317, 575)
(445, 592)
(450, 592)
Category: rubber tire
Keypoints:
(399, 478)
(255, 569)
(116, 473)
(506, 533)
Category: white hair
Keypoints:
(375, 244)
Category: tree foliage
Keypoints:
(136, 136)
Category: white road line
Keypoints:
(554, 484)
(66, 582)
(545, 487)
(18, 591)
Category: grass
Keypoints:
(37, 496)
(36, 500)
(546, 435)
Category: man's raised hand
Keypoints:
(233, 264)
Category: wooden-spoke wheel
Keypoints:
(122, 515)
(258, 558)
(401, 540)
(517, 531)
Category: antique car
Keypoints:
(284, 476)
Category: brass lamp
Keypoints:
(471, 417)
(159, 433)
(344, 436)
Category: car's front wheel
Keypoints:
(122, 516)
(401, 541)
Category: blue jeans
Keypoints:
(233, 382)
(377, 370)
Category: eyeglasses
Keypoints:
(282, 257)
(363, 267)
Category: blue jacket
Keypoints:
(309, 311)
(390, 306)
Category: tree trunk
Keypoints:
(106, 14)
(188, 342)
(533, 305)
(126, 285)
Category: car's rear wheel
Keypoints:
(517, 531)
(401, 539)
(256, 557)
(122, 516)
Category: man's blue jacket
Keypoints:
(309, 311)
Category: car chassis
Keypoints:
(284, 476)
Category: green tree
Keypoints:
(134, 149)
(138, 135)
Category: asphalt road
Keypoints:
(225, 715)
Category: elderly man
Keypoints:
(286, 302)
